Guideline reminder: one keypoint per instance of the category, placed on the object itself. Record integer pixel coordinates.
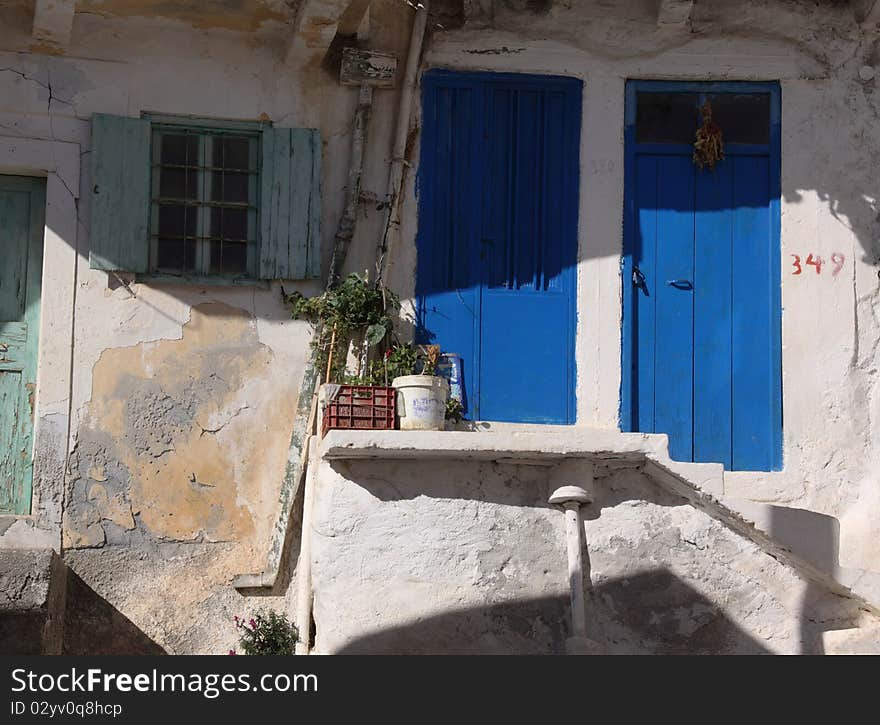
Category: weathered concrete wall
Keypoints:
(33, 588)
(469, 557)
(165, 410)
(160, 515)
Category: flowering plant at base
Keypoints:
(266, 633)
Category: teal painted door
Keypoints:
(22, 204)
(702, 316)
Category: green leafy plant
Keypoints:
(401, 360)
(454, 410)
(353, 308)
(266, 633)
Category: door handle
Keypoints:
(638, 278)
(680, 283)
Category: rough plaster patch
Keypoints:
(172, 437)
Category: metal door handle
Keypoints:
(638, 278)
(680, 283)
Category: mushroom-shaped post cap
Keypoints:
(570, 494)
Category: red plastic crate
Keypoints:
(363, 407)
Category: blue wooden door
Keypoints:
(22, 204)
(701, 275)
(497, 245)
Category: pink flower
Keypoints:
(236, 621)
(232, 651)
(252, 623)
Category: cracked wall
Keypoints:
(160, 518)
(178, 435)
(175, 465)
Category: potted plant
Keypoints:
(422, 393)
(355, 312)
(358, 315)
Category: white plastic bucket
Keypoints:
(421, 401)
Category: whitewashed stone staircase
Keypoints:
(803, 540)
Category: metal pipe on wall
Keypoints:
(395, 174)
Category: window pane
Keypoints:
(176, 256)
(172, 183)
(172, 220)
(743, 118)
(666, 117)
(169, 255)
(228, 258)
(177, 220)
(179, 149)
(230, 186)
(178, 183)
(232, 152)
(234, 258)
(227, 223)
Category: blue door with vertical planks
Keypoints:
(22, 205)
(497, 242)
(702, 314)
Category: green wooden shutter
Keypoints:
(290, 225)
(120, 236)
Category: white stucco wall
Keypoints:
(830, 147)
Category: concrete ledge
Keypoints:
(526, 444)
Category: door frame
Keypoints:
(630, 231)
(58, 162)
(35, 187)
(424, 253)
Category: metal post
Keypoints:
(571, 498)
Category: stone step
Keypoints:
(858, 641)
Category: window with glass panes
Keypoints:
(204, 219)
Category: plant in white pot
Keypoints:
(422, 396)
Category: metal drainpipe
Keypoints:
(395, 175)
(571, 498)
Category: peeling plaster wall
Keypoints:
(181, 397)
(161, 515)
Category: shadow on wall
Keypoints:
(815, 538)
(645, 611)
(651, 613)
(93, 626)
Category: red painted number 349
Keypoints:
(837, 261)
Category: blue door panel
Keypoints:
(448, 274)
(713, 234)
(702, 317)
(674, 326)
(754, 324)
(644, 309)
(498, 238)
